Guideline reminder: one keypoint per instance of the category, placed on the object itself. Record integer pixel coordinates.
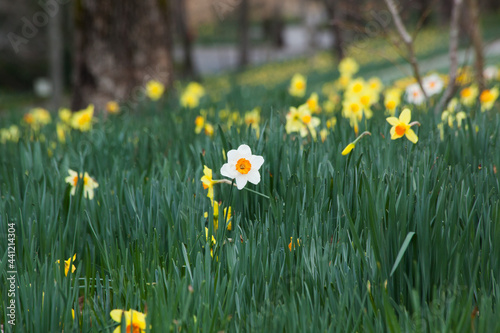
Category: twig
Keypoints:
(452, 77)
(421, 21)
(407, 39)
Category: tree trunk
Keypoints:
(56, 59)
(477, 40)
(186, 37)
(120, 45)
(335, 16)
(244, 37)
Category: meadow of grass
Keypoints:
(395, 236)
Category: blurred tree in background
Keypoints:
(119, 47)
(103, 50)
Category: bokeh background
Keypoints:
(57, 53)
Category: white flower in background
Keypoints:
(433, 84)
(89, 184)
(42, 87)
(490, 73)
(414, 94)
(242, 166)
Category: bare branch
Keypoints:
(454, 31)
(407, 39)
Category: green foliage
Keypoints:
(393, 237)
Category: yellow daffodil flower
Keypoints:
(67, 264)
(298, 86)
(37, 118)
(293, 121)
(208, 182)
(135, 321)
(488, 98)
(154, 90)
(348, 66)
(65, 115)
(189, 100)
(402, 126)
(312, 103)
(112, 107)
(392, 99)
(89, 184)
(252, 118)
(376, 85)
(82, 120)
(468, 95)
(9, 134)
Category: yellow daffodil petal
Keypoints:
(393, 121)
(410, 135)
(116, 315)
(405, 116)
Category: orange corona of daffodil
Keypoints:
(402, 126)
(135, 321)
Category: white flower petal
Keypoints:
(228, 170)
(253, 177)
(241, 182)
(256, 161)
(232, 155)
(244, 150)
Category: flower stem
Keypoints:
(227, 181)
(360, 136)
(263, 195)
